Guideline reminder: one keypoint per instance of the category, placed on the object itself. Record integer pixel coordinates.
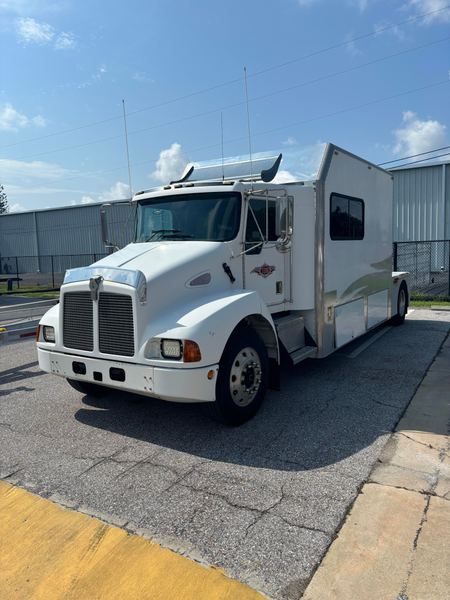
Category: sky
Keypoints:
(372, 76)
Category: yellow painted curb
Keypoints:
(49, 552)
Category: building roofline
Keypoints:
(70, 206)
(436, 163)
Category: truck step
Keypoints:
(299, 355)
(291, 332)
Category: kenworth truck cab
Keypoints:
(227, 271)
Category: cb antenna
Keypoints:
(221, 143)
(248, 127)
(126, 147)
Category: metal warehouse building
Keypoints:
(422, 202)
(52, 240)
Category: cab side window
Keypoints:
(261, 224)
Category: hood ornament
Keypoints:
(94, 285)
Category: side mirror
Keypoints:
(284, 223)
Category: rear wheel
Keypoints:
(242, 379)
(402, 305)
(85, 387)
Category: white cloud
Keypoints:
(17, 207)
(389, 28)
(361, 4)
(170, 164)
(438, 8)
(284, 176)
(12, 170)
(65, 41)
(118, 191)
(142, 77)
(94, 78)
(20, 190)
(300, 163)
(351, 46)
(31, 31)
(291, 141)
(418, 135)
(12, 120)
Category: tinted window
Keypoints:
(204, 216)
(261, 223)
(346, 218)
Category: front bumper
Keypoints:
(177, 385)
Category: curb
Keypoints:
(56, 553)
(8, 334)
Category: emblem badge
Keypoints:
(94, 284)
(264, 270)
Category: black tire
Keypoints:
(245, 356)
(402, 305)
(90, 389)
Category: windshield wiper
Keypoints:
(179, 235)
(160, 231)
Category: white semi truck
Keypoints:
(228, 271)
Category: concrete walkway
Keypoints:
(395, 542)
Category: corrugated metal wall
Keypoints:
(421, 212)
(422, 203)
(64, 231)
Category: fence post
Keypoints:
(17, 273)
(53, 273)
(395, 256)
(448, 263)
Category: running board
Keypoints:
(299, 355)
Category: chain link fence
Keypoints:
(39, 273)
(428, 264)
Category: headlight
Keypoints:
(171, 349)
(185, 350)
(49, 334)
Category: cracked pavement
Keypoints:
(263, 501)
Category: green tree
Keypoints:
(3, 201)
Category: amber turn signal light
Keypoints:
(191, 351)
(38, 332)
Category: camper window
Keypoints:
(346, 218)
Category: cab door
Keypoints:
(267, 249)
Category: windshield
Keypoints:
(203, 217)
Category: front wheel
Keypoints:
(242, 378)
(90, 389)
(402, 306)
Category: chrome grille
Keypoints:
(78, 321)
(115, 323)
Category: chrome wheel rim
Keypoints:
(245, 376)
(402, 302)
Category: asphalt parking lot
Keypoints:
(263, 501)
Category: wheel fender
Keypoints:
(211, 323)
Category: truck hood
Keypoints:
(157, 259)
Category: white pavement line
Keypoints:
(368, 342)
